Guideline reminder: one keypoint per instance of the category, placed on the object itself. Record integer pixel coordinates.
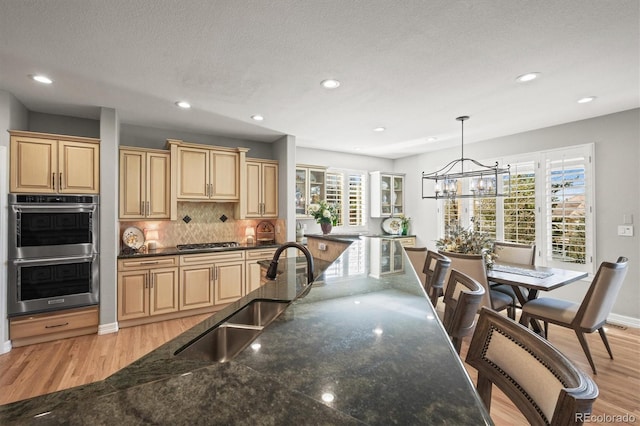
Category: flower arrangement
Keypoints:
(324, 212)
(405, 221)
(468, 241)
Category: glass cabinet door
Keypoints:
(398, 195)
(301, 192)
(386, 195)
(316, 186)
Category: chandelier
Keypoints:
(466, 177)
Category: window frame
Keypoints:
(543, 245)
(344, 205)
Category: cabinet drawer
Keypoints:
(261, 254)
(148, 262)
(50, 323)
(194, 259)
(407, 242)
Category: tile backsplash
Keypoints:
(207, 222)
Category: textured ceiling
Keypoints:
(410, 66)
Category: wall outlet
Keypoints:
(625, 230)
(322, 246)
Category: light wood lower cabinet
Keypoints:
(253, 271)
(211, 279)
(407, 241)
(147, 287)
(30, 329)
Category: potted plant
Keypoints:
(325, 214)
(468, 241)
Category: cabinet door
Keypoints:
(397, 196)
(229, 282)
(301, 192)
(269, 190)
(316, 186)
(158, 185)
(386, 195)
(193, 173)
(196, 286)
(225, 176)
(133, 294)
(163, 291)
(34, 165)
(253, 275)
(253, 192)
(79, 168)
(132, 186)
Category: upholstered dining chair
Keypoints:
(435, 269)
(474, 266)
(417, 256)
(462, 300)
(516, 253)
(542, 383)
(589, 315)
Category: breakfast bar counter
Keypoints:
(356, 349)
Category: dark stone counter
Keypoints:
(354, 350)
(173, 251)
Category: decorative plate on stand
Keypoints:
(133, 237)
(392, 225)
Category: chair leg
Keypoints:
(434, 297)
(511, 312)
(585, 348)
(484, 390)
(457, 343)
(606, 341)
(546, 330)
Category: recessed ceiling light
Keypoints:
(432, 139)
(42, 79)
(330, 83)
(257, 117)
(183, 104)
(379, 129)
(586, 100)
(528, 77)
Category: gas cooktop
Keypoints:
(201, 246)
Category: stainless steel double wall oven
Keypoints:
(53, 252)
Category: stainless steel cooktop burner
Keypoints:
(200, 246)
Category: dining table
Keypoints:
(532, 277)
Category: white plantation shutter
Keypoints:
(356, 199)
(519, 208)
(550, 205)
(334, 190)
(568, 226)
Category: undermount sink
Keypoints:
(224, 342)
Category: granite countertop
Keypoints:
(353, 350)
(173, 251)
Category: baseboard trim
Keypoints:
(624, 320)
(6, 347)
(108, 328)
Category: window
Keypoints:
(346, 189)
(549, 204)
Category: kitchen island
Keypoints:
(355, 349)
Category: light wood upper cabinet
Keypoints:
(44, 163)
(261, 191)
(207, 173)
(145, 184)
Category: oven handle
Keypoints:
(74, 208)
(41, 260)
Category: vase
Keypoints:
(405, 229)
(326, 228)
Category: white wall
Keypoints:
(617, 163)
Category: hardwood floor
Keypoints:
(48, 367)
